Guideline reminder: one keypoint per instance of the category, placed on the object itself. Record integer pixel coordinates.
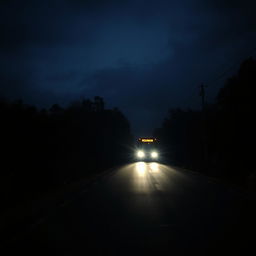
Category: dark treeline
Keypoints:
(42, 149)
(219, 140)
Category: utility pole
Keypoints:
(202, 94)
(204, 139)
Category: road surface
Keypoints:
(143, 208)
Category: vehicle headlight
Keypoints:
(154, 154)
(140, 154)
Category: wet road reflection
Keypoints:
(139, 208)
(154, 167)
(141, 168)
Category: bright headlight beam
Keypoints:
(154, 154)
(140, 154)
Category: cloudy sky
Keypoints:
(142, 56)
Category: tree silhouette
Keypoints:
(230, 130)
(43, 149)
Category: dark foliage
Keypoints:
(42, 149)
(219, 140)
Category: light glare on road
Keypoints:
(154, 167)
(141, 168)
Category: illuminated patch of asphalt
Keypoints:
(184, 203)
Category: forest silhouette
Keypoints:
(44, 149)
(218, 140)
(47, 148)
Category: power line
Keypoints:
(223, 74)
(202, 87)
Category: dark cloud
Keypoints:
(62, 77)
(142, 56)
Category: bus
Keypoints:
(147, 149)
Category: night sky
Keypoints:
(142, 56)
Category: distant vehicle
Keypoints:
(147, 150)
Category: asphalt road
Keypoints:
(145, 208)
